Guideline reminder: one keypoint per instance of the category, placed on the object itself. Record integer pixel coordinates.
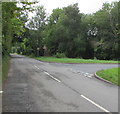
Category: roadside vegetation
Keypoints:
(72, 60)
(71, 33)
(5, 67)
(12, 28)
(111, 75)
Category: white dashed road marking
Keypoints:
(95, 104)
(52, 77)
(49, 74)
(36, 67)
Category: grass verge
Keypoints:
(73, 60)
(111, 75)
(5, 66)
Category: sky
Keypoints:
(85, 6)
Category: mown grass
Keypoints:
(111, 75)
(5, 66)
(73, 60)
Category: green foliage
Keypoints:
(63, 32)
(37, 22)
(106, 20)
(32, 42)
(66, 31)
(5, 67)
(82, 34)
(12, 26)
(73, 60)
(60, 55)
(110, 75)
(8, 9)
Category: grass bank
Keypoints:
(72, 60)
(5, 66)
(111, 75)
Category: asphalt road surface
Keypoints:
(35, 86)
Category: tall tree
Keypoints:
(51, 35)
(106, 20)
(11, 23)
(64, 35)
(35, 27)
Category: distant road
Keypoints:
(35, 86)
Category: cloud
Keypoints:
(85, 6)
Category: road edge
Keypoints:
(98, 77)
(72, 63)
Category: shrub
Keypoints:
(60, 55)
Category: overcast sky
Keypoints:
(85, 6)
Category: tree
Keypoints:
(35, 31)
(64, 32)
(51, 35)
(106, 20)
(89, 32)
(12, 25)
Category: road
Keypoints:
(35, 86)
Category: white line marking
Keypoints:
(52, 77)
(55, 78)
(1, 92)
(36, 67)
(89, 76)
(82, 73)
(86, 73)
(46, 73)
(95, 104)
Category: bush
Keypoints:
(60, 55)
